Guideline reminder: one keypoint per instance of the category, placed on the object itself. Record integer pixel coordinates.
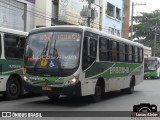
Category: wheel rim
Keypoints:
(13, 89)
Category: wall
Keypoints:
(43, 11)
(112, 21)
(126, 19)
(16, 14)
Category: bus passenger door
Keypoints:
(88, 58)
(89, 52)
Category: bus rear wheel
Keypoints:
(129, 90)
(12, 89)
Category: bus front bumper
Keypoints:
(72, 90)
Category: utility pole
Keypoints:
(155, 40)
(132, 20)
(89, 17)
(89, 13)
(132, 16)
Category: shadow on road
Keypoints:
(25, 96)
(76, 101)
(148, 79)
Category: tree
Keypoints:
(145, 27)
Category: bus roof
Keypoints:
(93, 30)
(147, 48)
(12, 31)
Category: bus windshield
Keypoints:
(150, 65)
(60, 49)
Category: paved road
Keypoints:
(146, 92)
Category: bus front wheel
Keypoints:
(98, 93)
(12, 89)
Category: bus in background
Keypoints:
(12, 44)
(151, 67)
(82, 61)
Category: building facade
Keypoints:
(70, 12)
(17, 14)
(112, 16)
(43, 12)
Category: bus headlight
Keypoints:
(73, 81)
(25, 78)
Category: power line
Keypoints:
(26, 10)
(36, 13)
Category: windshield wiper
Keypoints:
(56, 55)
(42, 55)
(44, 52)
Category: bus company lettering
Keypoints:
(14, 66)
(119, 70)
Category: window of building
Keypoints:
(96, 2)
(118, 13)
(110, 9)
(117, 32)
(14, 46)
(111, 30)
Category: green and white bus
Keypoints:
(82, 61)
(151, 67)
(12, 44)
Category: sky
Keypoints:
(151, 5)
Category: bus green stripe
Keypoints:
(103, 70)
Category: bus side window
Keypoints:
(0, 46)
(14, 46)
(21, 45)
(122, 52)
(89, 52)
(103, 49)
(140, 55)
(130, 56)
(133, 54)
(113, 50)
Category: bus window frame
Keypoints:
(15, 35)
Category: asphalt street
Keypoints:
(146, 92)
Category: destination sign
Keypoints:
(63, 36)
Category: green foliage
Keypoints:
(145, 29)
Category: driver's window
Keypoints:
(89, 52)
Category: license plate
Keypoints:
(46, 88)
